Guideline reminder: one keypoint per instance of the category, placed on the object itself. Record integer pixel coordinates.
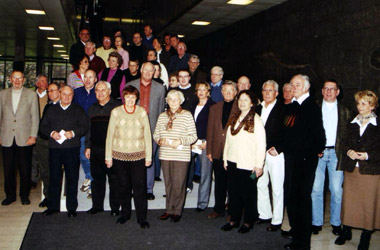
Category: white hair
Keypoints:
(271, 82)
(108, 85)
(177, 93)
(218, 68)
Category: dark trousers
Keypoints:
(99, 171)
(220, 175)
(131, 175)
(69, 158)
(41, 151)
(242, 194)
(299, 180)
(13, 156)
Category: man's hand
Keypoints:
(209, 156)
(272, 151)
(87, 153)
(109, 163)
(203, 145)
(55, 135)
(259, 172)
(69, 134)
(31, 141)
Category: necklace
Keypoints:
(125, 108)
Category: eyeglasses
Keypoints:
(329, 89)
(17, 78)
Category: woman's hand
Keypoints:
(272, 151)
(259, 172)
(362, 156)
(203, 145)
(163, 142)
(225, 166)
(109, 163)
(353, 154)
(148, 163)
(175, 143)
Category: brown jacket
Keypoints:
(216, 134)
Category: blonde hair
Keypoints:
(369, 96)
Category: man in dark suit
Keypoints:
(335, 119)
(303, 142)
(19, 119)
(272, 114)
(197, 75)
(152, 99)
(77, 49)
(216, 137)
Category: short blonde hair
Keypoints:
(207, 86)
(369, 96)
(177, 93)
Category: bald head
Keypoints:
(243, 83)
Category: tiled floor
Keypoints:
(14, 219)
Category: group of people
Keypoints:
(127, 125)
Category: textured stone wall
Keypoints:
(338, 39)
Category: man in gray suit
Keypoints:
(152, 98)
(19, 119)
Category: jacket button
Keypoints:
(14, 120)
(222, 134)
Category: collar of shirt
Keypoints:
(64, 108)
(329, 105)
(92, 57)
(188, 86)
(301, 98)
(83, 43)
(270, 106)
(372, 121)
(216, 84)
(91, 90)
(41, 94)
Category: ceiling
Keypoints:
(20, 30)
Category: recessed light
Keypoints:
(240, 2)
(46, 28)
(63, 55)
(53, 38)
(200, 23)
(35, 12)
(61, 51)
(58, 45)
(181, 36)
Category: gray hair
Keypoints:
(38, 78)
(271, 82)
(286, 85)
(230, 83)
(195, 57)
(306, 81)
(108, 85)
(218, 68)
(178, 93)
(91, 43)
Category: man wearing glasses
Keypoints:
(19, 119)
(77, 49)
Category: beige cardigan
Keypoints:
(247, 150)
(128, 135)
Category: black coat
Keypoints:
(202, 119)
(76, 53)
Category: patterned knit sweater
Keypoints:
(183, 129)
(128, 135)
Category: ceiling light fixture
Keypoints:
(203, 23)
(46, 28)
(240, 2)
(61, 51)
(35, 12)
(63, 55)
(181, 36)
(53, 38)
(58, 45)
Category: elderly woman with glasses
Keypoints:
(361, 165)
(76, 78)
(175, 132)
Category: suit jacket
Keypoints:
(369, 142)
(97, 64)
(344, 117)
(274, 127)
(198, 76)
(22, 124)
(216, 134)
(76, 52)
(202, 119)
(156, 101)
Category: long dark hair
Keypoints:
(249, 120)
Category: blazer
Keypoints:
(156, 101)
(202, 119)
(22, 124)
(274, 127)
(369, 142)
(344, 117)
(216, 134)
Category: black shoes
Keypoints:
(273, 228)
(245, 229)
(287, 234)
(71, 213)
(33, 185)
(25, 201)
(165, 216)
(43, 203)
(157, 178)
(198, 209)
(196, 179)
(94, 211)
(50, 211)
(7, 201)
(346, 235)
(262, 221)
(176, 218)
(150, 196)
(143, 224)
(316, 229)
(122, 219)
(365, 238)
(228, 227)
(337, 230)
(114, 213)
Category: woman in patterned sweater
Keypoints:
(129, 151)
(175, 132)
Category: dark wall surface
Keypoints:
(338, 39)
